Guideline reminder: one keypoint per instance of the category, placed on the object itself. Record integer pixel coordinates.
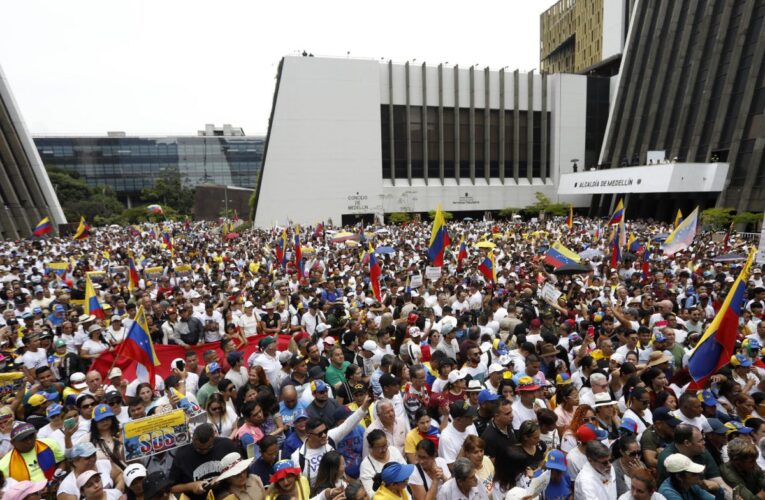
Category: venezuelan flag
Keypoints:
(462, 255)
(138, 347)
(618, 214)
(299, 262)
(439, 239)
(678, 217)
(83, 230)
(488, 268)
(634, 244)
(133, 277)
(43, 227)
(91, 305)
(682, 237)
(281, 249)
(558, 255)
(570, 218)
(714, 349)
(616, 247)
(374, 273)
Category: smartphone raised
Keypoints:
(70, 423)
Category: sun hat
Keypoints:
(22, 489)
(474, 386)
(677, 462)
(455, 376)
(231, 465)
(84, 477)
(658, 358)
(555, 459)
(527, 383)
(603, 399)
(133, 472)
(282, 469)
(396, 473)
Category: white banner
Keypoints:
(433, 273)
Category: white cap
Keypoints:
(496, 368)
(455, 375)
(369, 345)
(115, 372)
(133, 472)
(328, 340)
(248, 304)
(678, 462)
(415, 332)
(83, 478)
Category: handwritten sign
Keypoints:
(156, 434)
(550, 293)
(433, 273)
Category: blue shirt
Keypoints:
(288, 414)
(559, 491)
(351, 448)
(291, 444)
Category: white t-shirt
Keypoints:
(416, 478)
(369, 467)
(55, 434)
(700, 422)
(34, 360)
(69, 483)
(521, 414)
(94, 346)
(450, 443)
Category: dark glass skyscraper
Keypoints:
(131, 164)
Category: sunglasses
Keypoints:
(322, 433)
(89, 405)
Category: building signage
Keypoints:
(465, 200)
(357, 202)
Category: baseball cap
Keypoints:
(53, 410)
(22, 430)
(155, 484)
(36, 400)
(81, 450)
(133, 472)
(588, 432)
(23, 489)
(496, 368)
(395, 472)
(359, 388)
(265, 342)
(563, 379)
(535, 323)
(629, 425)
(341, 413)
(212, 367)
(318, 386)
(299, 414)
(707, 398)
(555, 459)
(460, 409)
(662, 414)
(677, 462)
(77, 381)
(486, 395)
(717, 426)
(84, 477)
(369, 345)
(740, 360)
(59, 343)
(234, 357)
(102, 412)
(733, 427)
(455, 376)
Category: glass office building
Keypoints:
(131, 164)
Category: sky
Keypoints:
(168, 67)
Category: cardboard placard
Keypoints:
(433, 273)
(154, 272)
(156, 434)
(415, 281)
(550, 293)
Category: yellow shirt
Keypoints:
(412, 438)
(30, 458)
(383, 493)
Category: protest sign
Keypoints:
(59, 268)
(96, 276)
(433, 273)
(183, 270)
(10, 383)
(156, 434)
(416, 281)
(153, 273)
(550, 293)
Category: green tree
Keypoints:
(544, 203)
(748, 218)
(252, 203)
(99, 204)
(169, 191)
(399, 217)
(716, 217)
(447, 215)
(135, 215)
(508, 212)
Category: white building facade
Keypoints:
(352, 139)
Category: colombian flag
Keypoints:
(716, 346)
(439, 239)
(488, 268)
(462, 255)
(374, 273)
(138, 347)
(92, 306)
(618, 214)
(557, 255)
(83, 230)
(43, 227)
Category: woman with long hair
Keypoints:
(567, 396)
(287, 479)
(245, 394)
(219, 417)
(506, 389)
(424, 429)
(626, 461)
(145, 393)
(531, 444)
(643, 487)
(353, 376)
(105, 436)
(655, 382)
(92, 488)
(256, 377)
(473, 449)
(431, 471)
(330, 477)
(512, 473)
(584, 414)
(227, 389)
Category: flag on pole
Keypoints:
(618, 215)
(462, 255)
(726, 240)
(682, 237)
(43, 227)
(488, 268)
(439, 239)
(133, 277)
(717, 345)
(374, 273)
(558, 255)
(83, 230)
(570, 218)
(91, 305)
(678, 218)
(634, 245)
(299, 262)
(281, 249)
(138, 347)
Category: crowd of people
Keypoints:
(465, 386)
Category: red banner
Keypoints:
(167, 353)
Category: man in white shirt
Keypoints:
(248, 321)
(214, 326)
(524, 407)
(689, 412)
(453, 436)
(597, 480)
(267, 359)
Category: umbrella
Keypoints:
(485, 244)
(155, 209)
(231, 236)
(384, 250)
(729, 257)
(572, 268)
(591, 253)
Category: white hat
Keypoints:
(485, 346)
(603, 399)
(248, 304)
(320, 328)
(474, 385)
(329, 340)
(677, 462)
(77, 381)
(369, 345)
(415, 332)
(455, 375)
(231, 465)
(517, 493)
(496, 368)
(133, 472)
(115, 372)
(83, 478)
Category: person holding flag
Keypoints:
(462, 255)
(138, 347)
(83, 230)
(488, 268)
(374, 274)
(439, 239)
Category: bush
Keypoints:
(544, 203)
(447, 215)
(507, 213)
(718, 218)
(399, 217)
(136, 215)
(748, 218)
